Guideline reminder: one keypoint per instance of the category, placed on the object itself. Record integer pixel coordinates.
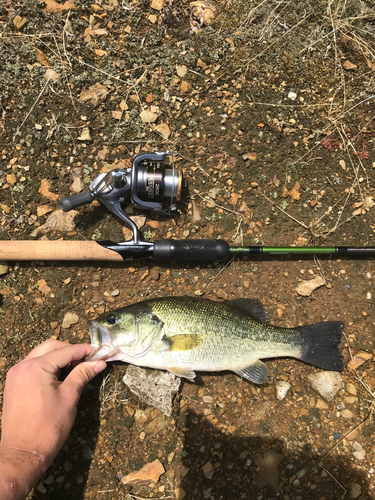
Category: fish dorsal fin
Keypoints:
(182, 371)
(257, 372)
(182, 342)
(252, 307)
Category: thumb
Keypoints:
(82, 374)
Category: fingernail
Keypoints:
(100, 366)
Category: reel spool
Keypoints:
(149, 184)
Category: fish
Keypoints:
(188, 334)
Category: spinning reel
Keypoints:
(149, 184)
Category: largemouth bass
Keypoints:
(188, 334)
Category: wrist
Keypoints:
(19, 472)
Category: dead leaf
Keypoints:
(155, 224)
(44, 190)
(100, 52)
(53, 6)
(150, 473)
(349, 66)
(50, 74)
(358, 360)
(19, 21)
(85, 134)
(163, 129)
(77, 185)
(94, 94)
(370, 64)
(205, 11)
(294, 194)
(5, 208)
(306, 287)
(103, 153)
(231, 44)
(284, 192)
(58, 221)
(222, 294)
(43, 210)
(117, 115)
(69, 320)
(43, 287)
(157, 4)
(42, 58)
(148, 116)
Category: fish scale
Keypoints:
(188, 334)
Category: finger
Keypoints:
(82, 375)
(59, 358)
(44, 347)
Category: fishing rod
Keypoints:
(155, 185)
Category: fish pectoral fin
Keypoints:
(182, 342)
(252, 307)
(256, 372)
(182, 371)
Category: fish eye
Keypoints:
(111, 318)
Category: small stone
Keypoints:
(185, 86)
(4, 268)
(355, 490)
(87, 452)
(41, 488)
(181, 71)
(179, 493)
(358, 360)
(38, 126)
(208, 470)
(292, 95)
(346, 414)
(115, 292)
(207, 399)
(351, 389)
(349, 65)
(157, 4)
(163, 130)
(282, 388)
(69, 320)
(85, 135)
(326, 384)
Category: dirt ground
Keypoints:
(269, 107)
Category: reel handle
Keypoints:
(77, 200)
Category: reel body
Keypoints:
(148, 185)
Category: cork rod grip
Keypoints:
(55, 250)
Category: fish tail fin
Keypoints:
(321, 342)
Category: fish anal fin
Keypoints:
(252, 307)
(257, 372)
(182, 371)
(182, 342)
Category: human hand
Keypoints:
(39, 410)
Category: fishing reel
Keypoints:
(149, 185)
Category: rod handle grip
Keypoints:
(191, 250)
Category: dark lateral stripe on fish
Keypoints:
(322, 341)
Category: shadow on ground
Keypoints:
(67, 476)
(234, 467)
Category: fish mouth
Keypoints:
(101, 341)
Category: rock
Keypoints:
(155, 388)
(269, 474)
(355, 490)
(179, 493)
(292, 95)
(185, 86)
(359, 453)
(306, 287)
(321, 404)
(208, 470)
(69, 320)
(3, 362)
(150, 473)
(282, 388)
(87, 452)
(326, 384)
(181, 71)
(43, 210)
(148, 116)
(156, 425)
(58, 221)
(351, 388)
